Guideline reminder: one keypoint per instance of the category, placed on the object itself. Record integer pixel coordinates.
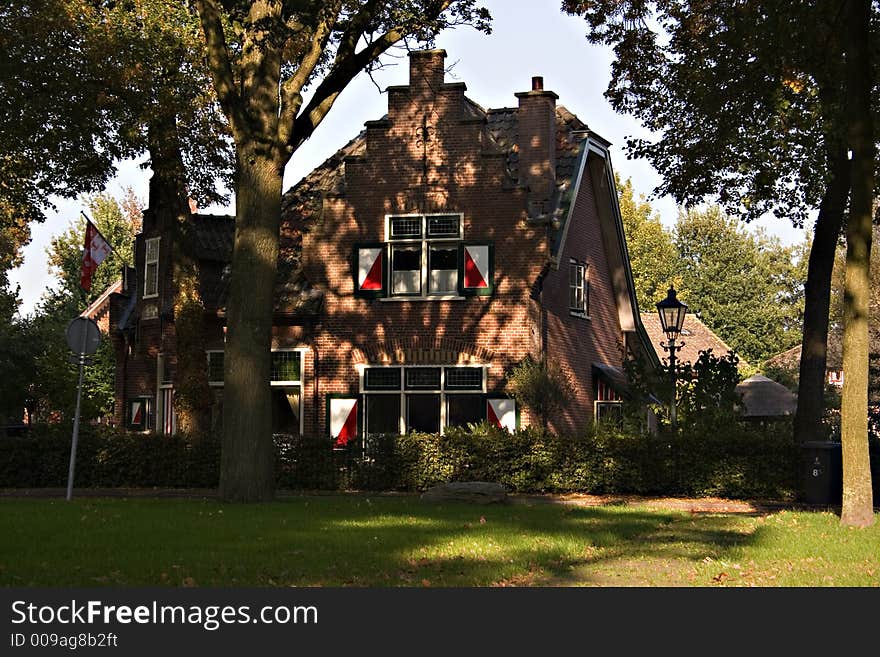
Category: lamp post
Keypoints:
(672, 312)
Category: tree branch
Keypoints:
(218, 62)
(291, 88)
(345, 68)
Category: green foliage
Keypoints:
(108, 458)
(85, 84)
(541, 386)
(47, 377)
(734, 119)
(731, 460)
(707, 394)
(653, 256)
(746, 287)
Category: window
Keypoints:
(422, 398)
(424, 256)
(286, 382)
(215, 368)
(609, 404)
(151, 268)
(462, 410)
(578, 288)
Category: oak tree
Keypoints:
(278, 67)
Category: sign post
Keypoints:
(83, 338)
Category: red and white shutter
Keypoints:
(137, 413)
(477, 269)
(501, 413)
(369, 270)
(343, 420)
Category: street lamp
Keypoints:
(672, 312)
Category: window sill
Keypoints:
(574, 313)
(433, 297)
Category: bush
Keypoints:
(736, 460)
(108, 458)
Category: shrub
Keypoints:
(541, 386)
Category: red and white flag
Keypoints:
(95, 250)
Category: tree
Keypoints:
(264, 55)
(857, 507)
(652, 253)
(747, 99)
(51, 378)
(758, 103)
(745, 287)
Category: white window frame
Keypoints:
(151, 241)
(425, 243)
(403, 392)
(583, 284)
(274, 384)
(605, 403)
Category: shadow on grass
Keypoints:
(337, 541)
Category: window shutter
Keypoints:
(139, 413)
(476, 273)
(369, 270)
(342, 420)
(501, 413)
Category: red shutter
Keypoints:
(343, 420)
(477, 269)
(369, 269)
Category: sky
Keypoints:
(529, 38)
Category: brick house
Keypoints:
(439, 247)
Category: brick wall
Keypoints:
(432, 153)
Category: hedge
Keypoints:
(737, 461)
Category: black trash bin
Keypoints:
(822, 478)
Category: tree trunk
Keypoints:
(817, 296)
(857, 510)
(247, 467)
(192, 394)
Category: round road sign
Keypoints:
(83, 336)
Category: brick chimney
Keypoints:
(537, 140)
(426, 70)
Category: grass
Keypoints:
(391, 541)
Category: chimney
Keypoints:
(426, 70)
(537, 140)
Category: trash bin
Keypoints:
(822, 472)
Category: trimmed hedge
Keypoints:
(108, 458)
(737, 461)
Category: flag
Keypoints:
(95, 250)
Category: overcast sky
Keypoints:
(529, 37)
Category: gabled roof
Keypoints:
(100, 307)
(695, 337)
(791, 359)
(214, 235)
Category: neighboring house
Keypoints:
(762, 399)
(439, 247)
(790, 361)
(99, 309)
(694, 338)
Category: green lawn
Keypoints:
(400, 541)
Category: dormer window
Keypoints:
(423, 257)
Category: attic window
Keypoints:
(578, 289)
